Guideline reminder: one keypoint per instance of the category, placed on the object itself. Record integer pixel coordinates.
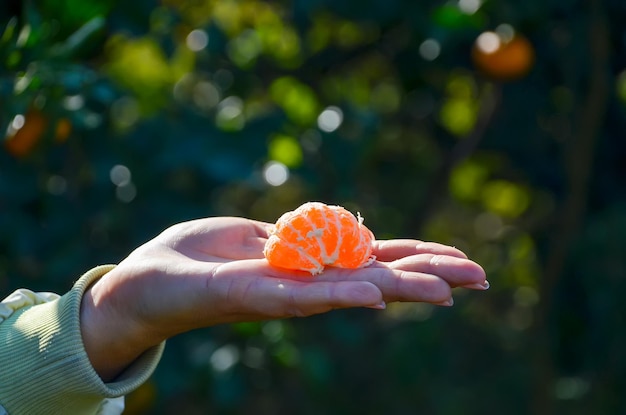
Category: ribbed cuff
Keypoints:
(44, 368)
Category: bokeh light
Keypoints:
(16, 124)
(469, 6)
(330, 119)
(506, 32)
(125, 112)
(73, 102)
(229, 114)
(488, 42)
(430, 49)
(197, 40)
(244, 49)
(570, 387)
(488, 226)
(120, 175)
(56, 185)
(224, 358)
(275, 173)
(205, 95)
(126, 193)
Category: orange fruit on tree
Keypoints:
(316, 235)
(62, 130)
(24, 135)
(503, 55)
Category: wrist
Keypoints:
(111, 334)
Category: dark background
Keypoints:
(124, 117)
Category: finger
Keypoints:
(390, 250)
(247, 292)
(455, 271)
(407, 280)
(395, 284)
(407, 286)
(305, 298)
(334, 288)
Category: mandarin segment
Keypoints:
(316, 235)
(357, 243)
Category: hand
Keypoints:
(212, 271)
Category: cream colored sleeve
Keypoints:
(44, 368)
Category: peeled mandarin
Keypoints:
(316, 235)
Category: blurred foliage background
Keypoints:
(496, 126)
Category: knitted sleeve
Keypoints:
(44, 368)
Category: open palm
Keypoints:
(212, 271)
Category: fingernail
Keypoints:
(478, 286)
(448, 303)
(381, 306)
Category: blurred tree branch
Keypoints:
(579, 154)
(490, 100)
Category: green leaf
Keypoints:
(451, 17)
(80, 38)
(298, 100)
(467, 179)
(9, 31)
(505, 198)
(285, 149)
